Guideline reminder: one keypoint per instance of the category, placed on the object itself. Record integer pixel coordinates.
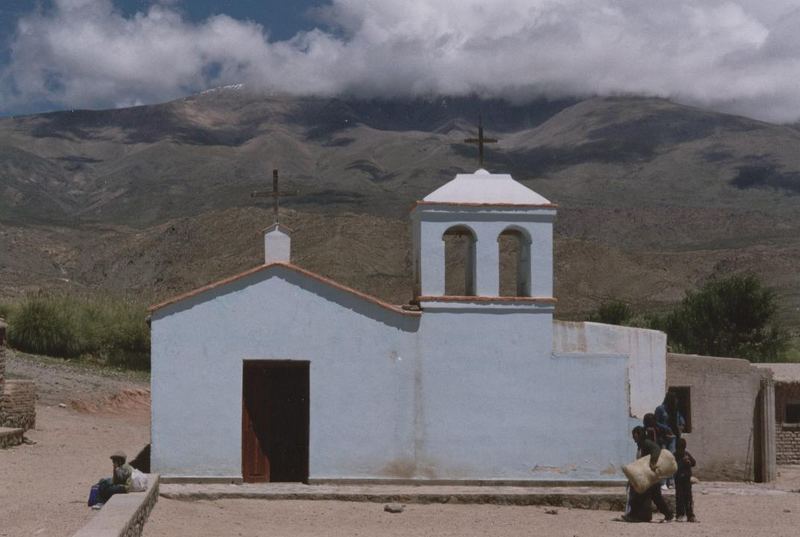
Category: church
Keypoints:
(280, 374)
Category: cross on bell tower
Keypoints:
(480, 140)
(275, 194)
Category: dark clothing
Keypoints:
(119, 483)
(684, 504)
(658, 499)
(639, 508)
(669, 421)
(648, 447)
(685, 462)
(108, 489)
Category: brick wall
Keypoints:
(18, 404)
(787, 436)
(787, 445)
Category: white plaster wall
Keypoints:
(277, 247)
(499, 405)
(361, 375)
(449, 395)
(647, 350)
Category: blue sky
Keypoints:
(737, 56)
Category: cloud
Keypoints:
(739, 56)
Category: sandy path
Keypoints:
(720, 515)
(44, 487)
(61, 381)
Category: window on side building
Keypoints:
(684, 395)
(792, 413)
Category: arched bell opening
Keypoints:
(514, 245)
(459, 261)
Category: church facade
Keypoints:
(279, 374)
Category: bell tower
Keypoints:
(481, 208)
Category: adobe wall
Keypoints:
(787, 435)
(724, 394)
(17, 397)
(18, 404)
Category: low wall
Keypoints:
(124, 515)
(723, 397)
(18, 404)
(646, 351)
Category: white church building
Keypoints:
(280, 374)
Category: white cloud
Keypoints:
(739, 56)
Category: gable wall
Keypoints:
(197, 374)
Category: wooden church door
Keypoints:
(275, 421)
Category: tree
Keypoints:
(733, 317)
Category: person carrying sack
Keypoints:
(639, 508)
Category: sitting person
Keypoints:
(121, 480)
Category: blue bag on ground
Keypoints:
(94, 495)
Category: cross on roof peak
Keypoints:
(275, 194)
(480, 140)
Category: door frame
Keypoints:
(276, 364)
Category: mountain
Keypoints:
(654, 197)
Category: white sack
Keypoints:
(642, 477)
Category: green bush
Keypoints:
(614, 312)
(734, 317)
(43, 325)
(109, 329)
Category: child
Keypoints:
(684, 506)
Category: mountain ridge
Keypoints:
(654, 197)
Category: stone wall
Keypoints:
(124, 515)
(788, 434)
(724, 394)
(18, 404)
(10, 437)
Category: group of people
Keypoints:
(662, 430)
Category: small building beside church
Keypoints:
(280, 374)
(787, 411)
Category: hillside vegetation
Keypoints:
(654, 198)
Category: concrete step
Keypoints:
(601, 498)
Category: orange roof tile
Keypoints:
(295, 268)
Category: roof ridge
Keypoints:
(278, 264)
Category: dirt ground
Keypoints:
(728, 515)
(44, 486)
